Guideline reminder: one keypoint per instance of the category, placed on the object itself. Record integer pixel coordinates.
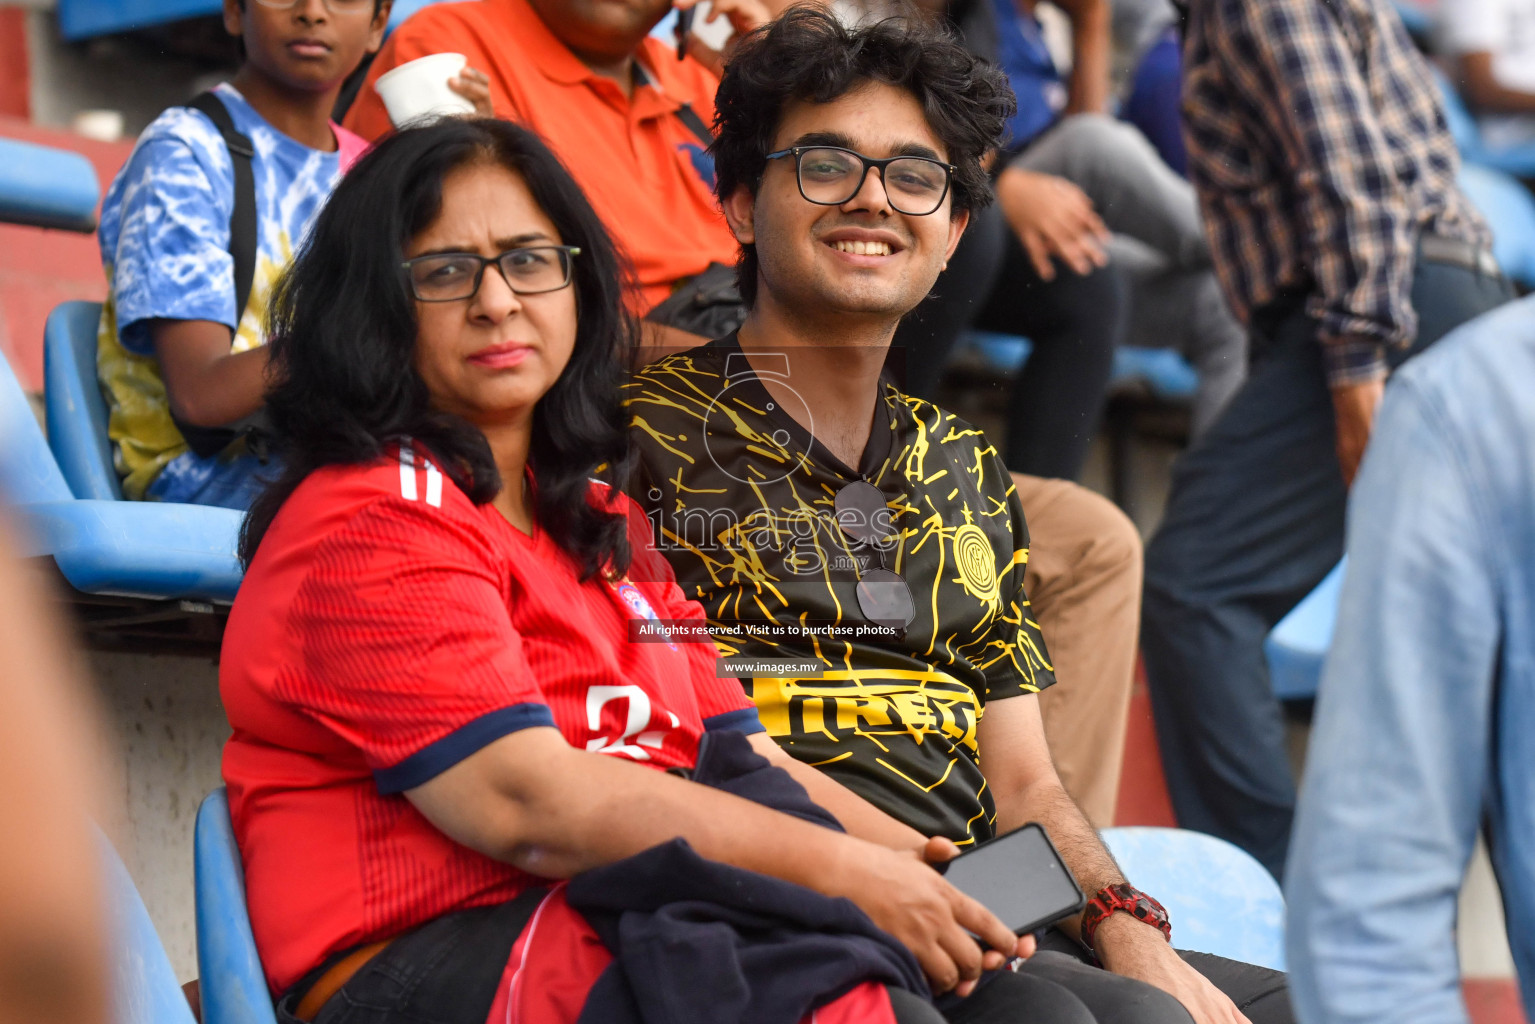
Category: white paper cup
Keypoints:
(101, 125)
(418, 90)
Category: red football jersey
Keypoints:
(387, 629)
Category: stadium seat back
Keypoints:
(1463, 127)
(1163, 372)
(1417, 18)
(1218, 898)
(144, 987)
(1510, 211)
(77, 412)
(28, 473)
(233, 984)
(1516, 158)
(1002, 353)
(46, 187)
(1297, 646)
(117, 548)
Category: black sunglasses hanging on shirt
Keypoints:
(884, 596)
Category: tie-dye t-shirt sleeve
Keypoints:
(171, 257)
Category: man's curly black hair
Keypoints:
(808, 55)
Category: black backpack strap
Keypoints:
(209, 441)
(242, 222)
(695, 124)
(685, 113)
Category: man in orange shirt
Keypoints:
(631, 122)
(625, 115)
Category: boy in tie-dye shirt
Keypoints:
(170, 335)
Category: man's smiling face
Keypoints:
(860, 257)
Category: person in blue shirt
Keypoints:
(173, 351)
(1425, 724)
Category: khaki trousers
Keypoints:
(1084, 582)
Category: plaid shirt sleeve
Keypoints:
(1298, 67)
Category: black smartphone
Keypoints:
(1018, 876)
(684, 26)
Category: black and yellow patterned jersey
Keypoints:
(741, 498)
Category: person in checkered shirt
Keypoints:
(1326, 177)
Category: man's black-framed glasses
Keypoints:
(450, 276)
(831, 175)
(884, 596)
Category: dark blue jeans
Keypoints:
(1254, 521)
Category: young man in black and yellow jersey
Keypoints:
(821, 516)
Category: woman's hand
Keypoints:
(904, 896)
(744, 16)
(474, 86)
(1052, 217)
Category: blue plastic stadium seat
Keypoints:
(1165, 373)
(1510, 212)
(1218, 898)
(1297, 646)
(1003, 353)
(1418, 21)
(137, 548)
(77, 413)
(232, 982)
(28, 473)
(46, 187)
(144, 987)
(80, 19)
(117, 548)
(1516, 160)
(1463, 128)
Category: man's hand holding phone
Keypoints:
(1020, 877)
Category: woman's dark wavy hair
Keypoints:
(807, 54)
(343, 337)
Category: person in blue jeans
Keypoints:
(174, 354)
(1425, 724)
(1326, 179)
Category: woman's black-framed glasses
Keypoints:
(884, 596)
(450, 276)
(831, 175)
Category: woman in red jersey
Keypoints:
(457, 674)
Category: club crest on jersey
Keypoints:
(638, 606)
